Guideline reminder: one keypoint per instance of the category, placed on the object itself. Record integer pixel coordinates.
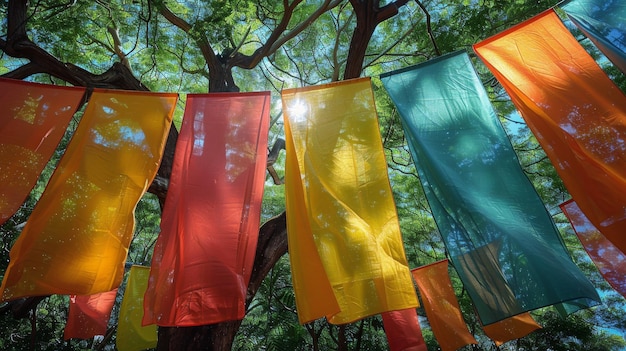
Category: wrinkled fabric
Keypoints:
(205, 252)
(346, 252)
(575, 111)
(604, 23)
(501, 240)
(76, 239)
(441, 306)
(131, 335)
(610, 261)
(403, 330)
(511, 328)
(89, 315)
(33, 119)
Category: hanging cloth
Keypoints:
(131, 335)
(89, 315)
(33, 119)
(346, 252)
(403, 330)
(511, 328)
(204, 254)
(479, 194)
(574, 110)
(441, 306)
(610, 261)
(604, 23)
(77, 237)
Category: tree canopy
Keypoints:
(240, 45)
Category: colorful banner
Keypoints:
(610, 261)
(403, 330)
(479, 194)
(33, 119)
(131, 335)
(204, 254)
(441, 306)
(346, 252)
(511, 328)
(574, 110)
(77, 237)
(604, 23)
(89, 315)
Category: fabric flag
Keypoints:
(205, 252)
(511, 328)
(403, 330)
(610, 261)
(346, 252)
(131, 335)
(441, 306)
(575, 111)
(604, 23)
(77, 237)
(89, 315)
(33, 119)
(490, 217)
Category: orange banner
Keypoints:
(89, 315)
(77, 237)
(33, 119)
(131, 335)
(209, 229)
(576, 112)
(511, 328)
(441, 306)
(346, 251)
(610, 261)
(403, 330)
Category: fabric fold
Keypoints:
(346, 251)
(77, 237)
(33, 119)
(205, 252)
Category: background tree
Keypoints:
(240, 45)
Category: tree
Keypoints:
(195, 46)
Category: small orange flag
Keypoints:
(511, 328)
(441, 306)
(89, 315)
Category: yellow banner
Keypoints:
(131, 335)
(347, 256)
(77, 237)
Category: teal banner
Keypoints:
(500, 237)
(604, 23)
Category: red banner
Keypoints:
(204, 254)
(89, 315)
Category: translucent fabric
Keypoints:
(33, 119)
(511, 328)
(346, 252)
(604, 23)
(131, 335)
(441, 306)
(77, 237)
(403, 330)
(89, 315)
(500, 237)
(610, 261)
(574, 110)
(209, 228)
